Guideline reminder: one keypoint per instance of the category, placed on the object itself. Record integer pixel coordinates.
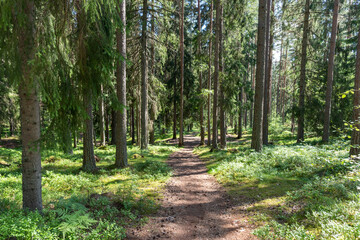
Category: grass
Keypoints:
(80, 205)
(291, 191)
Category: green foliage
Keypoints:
(292, 191)
(277, 231)
(152, 169)
(74, 207)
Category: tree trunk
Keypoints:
(283, 86)
(101, 116)
(152, 70)
(222, 90)
(355, 137)
(256, 141)
(94, 134)
(293, 103)
(113, 127)
(239, 133)
(252, 101)
(216, 73)
(75, 139)
(89, 164)
(278, 85)
(268, 73)
(302, 82)
(133, 141)
(209, 75)
(181, 137)
(106, 126)
(138, 123)
(202, 130)
(245, 110)
(174, 114)
(29, 113)
(121, 148)
(330, 73)
(144, 80)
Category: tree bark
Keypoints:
(152, 70)
(75, 139)
(121, 148)
(101, 116)
(106, 125)
(239, 133)
(216, 74)
(138, 123)
(302, 82)
(113, 127)
(209, 75)
(355, 137)
(330, 74)
(252, 100)
(144, 80)
(29, 113)
(89, 164)
(256, 141)
(133, 141)
(202, 130)
(174, 114)
(181, 136)
(284, 85)
(222, 90)
(268, 65)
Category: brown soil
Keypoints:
(195, 205)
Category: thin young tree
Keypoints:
(268, 72)
(222, 90)
(355, 137)
(302, 82)
(121, 148)
(330, 73)
(216, 73)
(181, 136)
(256, 140)
(29, 109)
(202, 130)
(144, 80)
(102, 117)
(209, 74)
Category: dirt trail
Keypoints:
(194, 206)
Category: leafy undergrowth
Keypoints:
(79, 205)
(289, 190)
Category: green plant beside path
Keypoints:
(289, 190)
(80, 205)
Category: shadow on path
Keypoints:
(194, 206)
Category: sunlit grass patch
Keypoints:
(80, 205)
(291, 191)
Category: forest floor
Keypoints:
(195, 205)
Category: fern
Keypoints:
(74, 222)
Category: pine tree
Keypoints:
(181, 137)
(355, 137)
(121, 148)
(30, 109)
(302, 82)
(144, 80)
(330, 73)
(256, 141)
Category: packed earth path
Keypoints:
(195, 205)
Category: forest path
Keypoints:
(195, 205)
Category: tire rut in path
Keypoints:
(194, 206)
